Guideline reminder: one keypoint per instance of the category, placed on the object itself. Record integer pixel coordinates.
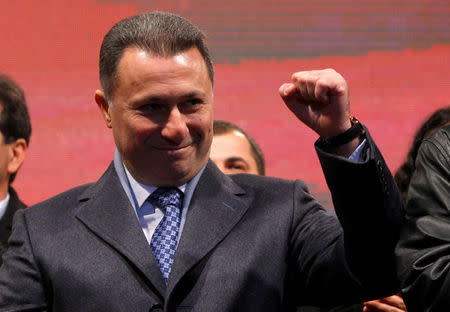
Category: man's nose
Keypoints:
(175, 129)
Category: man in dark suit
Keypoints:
(164, 230)
(15, 131)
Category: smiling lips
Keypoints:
(173, 148)
(175, 152)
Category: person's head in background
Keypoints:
(15, 131)
(234, 151)
(403, 175)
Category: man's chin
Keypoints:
(174, 175)
(168, 172)
(176, 179)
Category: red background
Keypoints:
(394, 55)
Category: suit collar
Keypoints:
(6, 221)
(217, 205)
(106, 210)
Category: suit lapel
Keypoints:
(216, 206)
(5, 226)
(107, 212)
(6, 221)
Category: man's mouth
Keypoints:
(173, 148)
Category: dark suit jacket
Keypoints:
(424, 246)
(249, 243)
(6, 221)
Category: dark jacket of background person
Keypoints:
(424, 247)
(402, 177)
(6, 222)
(15, 132)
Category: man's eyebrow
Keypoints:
(151, 98)
(192, 94)
(164, 98)
(236, 158)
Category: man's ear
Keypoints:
(17, 151)
(104, 107)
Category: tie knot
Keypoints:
(165, 196)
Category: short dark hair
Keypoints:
(403, 175)
(161, 33)
(14, 118)
(224, 127)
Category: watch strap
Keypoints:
(356, 130)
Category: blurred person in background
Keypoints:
(433, 123)
(234, 151)
(423, 251)
(15, 131)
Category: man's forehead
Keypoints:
(238, 134)
(180, 57)
(233, 137)
(134, 59)
(233, 134)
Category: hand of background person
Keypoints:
(319, 98)
(389, 304)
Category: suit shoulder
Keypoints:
(266, 184)
(68, 198)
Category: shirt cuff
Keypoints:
(355, 156)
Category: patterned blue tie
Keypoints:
(164, 240)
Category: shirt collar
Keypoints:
(143, 191)
(3, 205)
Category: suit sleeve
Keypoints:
(21, 287)
(368, 206)
(424, 247)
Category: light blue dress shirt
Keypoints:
(148, 215)
(356, 155)
(4, 205)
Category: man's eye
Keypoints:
(151, 107)
(237, 166)
(191, 103)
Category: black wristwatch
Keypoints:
(356, 130)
